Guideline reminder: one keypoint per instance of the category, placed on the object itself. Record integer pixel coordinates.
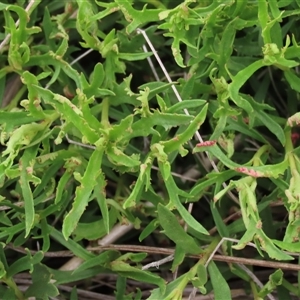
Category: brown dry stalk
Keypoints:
(222, 258)
(166, 251)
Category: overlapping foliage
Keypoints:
(89, 143)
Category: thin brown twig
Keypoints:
(168, 251)
(222, 258)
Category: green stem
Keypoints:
(105, 113)
(193, 271)
(288, 150)
(10, 282)
(258, 154)
(209, 250)
(288, 144)
(291, 288)
(254, 290)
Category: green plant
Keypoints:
(98, 147)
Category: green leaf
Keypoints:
(202, 277)
(275, 279)
(222, 228)
(186, 104)
(239, 80)
(86, 26)
(116, 133)
(76, 248)
(119, 158)
(42, 287)
(292, 79)
(94, 230)
(135, 17)
(179, 140)
(134, 56)
(291, 247)
(144, 126)
(272, 125)
(248, 235)
(97, 78)
(155, 88)
(135, 195)
(25, 179)
(61, 186)
(179, 256)
(172, 290)
(219, 128)
(17, 118)
(271, 249)
(226, 46)
(220, 287)
(263, 17)
(175, 203)
(175, 232)
(262, 171)
(148, 230)
(100, 260)
(70, 112)
(25, 263)
(213, 178)
(243, 128)
(101, 199)
(22, 136)
(126, 270)
(83, 192)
